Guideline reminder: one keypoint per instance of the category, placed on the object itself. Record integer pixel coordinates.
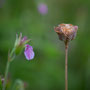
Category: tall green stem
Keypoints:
(6, 74)
(66, 66)
(10, 58)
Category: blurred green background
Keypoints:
(46, 70)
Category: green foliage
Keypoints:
(18, 85)
(0, 84)
(46, 71)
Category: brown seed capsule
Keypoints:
(66, 32)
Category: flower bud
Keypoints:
(66, 32)
(20, 43)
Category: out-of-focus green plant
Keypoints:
(0, 84)
(18, 85)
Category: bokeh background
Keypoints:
(46, 70)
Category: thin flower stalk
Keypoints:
(66, 66)
(66, 33)
(10, 58)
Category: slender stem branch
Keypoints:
(10, 58)
(6, 75)
(66, 66)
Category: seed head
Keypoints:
(66, 32)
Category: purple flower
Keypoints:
(29, 53)
(42, 8)
(20, 44)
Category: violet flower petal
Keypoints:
(29, 53)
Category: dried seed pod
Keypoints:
(66, 32)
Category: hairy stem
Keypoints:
(10, 58)
(6, 75)
(66, 66)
